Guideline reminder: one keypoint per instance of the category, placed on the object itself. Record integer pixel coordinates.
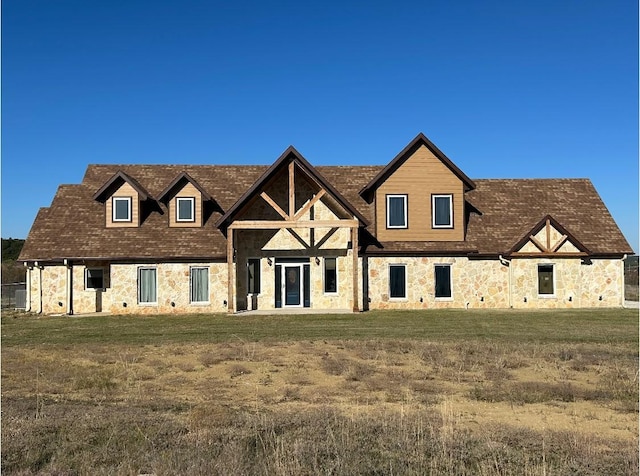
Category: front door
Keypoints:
(292, 285)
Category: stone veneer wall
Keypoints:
(485, 283)
(480, 283)
(122, 287)
(583, 283)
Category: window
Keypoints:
(253, 276)
(443, 281)
(147, 286)
(397, 281)
(545, 280)
(94, 278)
(199, 284)
(396, 211)
(185, 209)
(330, 275)
(121, 208)
(442, 211)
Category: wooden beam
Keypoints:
(292, 190)
(298, 238)
(309, 204)
(548, 255)
(559, 244)
(548, 234)
(274, 205)
(535, 241)
(326, 237)
(279, 224)
(354, 252)
(230, 273)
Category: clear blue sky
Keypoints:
(516, 89)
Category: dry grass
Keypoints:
(329, 406)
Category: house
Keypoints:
(414, 234)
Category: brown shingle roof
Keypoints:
(74, 225)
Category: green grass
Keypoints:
(509, 326)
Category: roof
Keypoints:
(419, 141)
(501, 212)
(181, 179)
(117, 180)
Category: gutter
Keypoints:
(40, 267)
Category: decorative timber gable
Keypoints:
(548, 238)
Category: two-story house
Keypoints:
(415, 234)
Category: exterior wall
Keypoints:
(476, 283)
(485, 283)
(188, 191)
(598, 284)
(125, 190)
(420, 176)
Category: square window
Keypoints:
(443, 281)
(253, 276)
(396, 211)
(94, 278)
(545, 280)
(397, 281)
(185, 209)
(121, 208)
(442, 211)
(147, 286)
(330, 275)
(199, 284)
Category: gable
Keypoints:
(548, 237)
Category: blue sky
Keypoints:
(516, 89)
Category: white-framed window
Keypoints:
(546, 280)
(199, 284)
(397, 281)
(443, 281)
(253, 276)
(185, 209)
(121, 208)
(442, 211)
(147, 285)
(94, 278)
(396, 211)
(330, 275)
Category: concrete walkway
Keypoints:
(292, 310)
(632, 304)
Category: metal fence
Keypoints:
(14, 296)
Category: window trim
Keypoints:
(147, 303)
(191, 301)
(405, 198)
(324, 276)
(433, 210)
(443, 298)
(259, 260)
(398, 298)
(86, 278)
(129, 218)
(192, 201)
(553, 276)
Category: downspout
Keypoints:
(39, 266)
(69, 287)
(506, 263)
(624, 257)
(27, 306)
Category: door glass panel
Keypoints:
(292, 285)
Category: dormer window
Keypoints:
(121, 209)
(185, 209)
(442, 211)
(396, 211)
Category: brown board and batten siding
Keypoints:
(188, 191)
(125, 190)
(419, 177)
